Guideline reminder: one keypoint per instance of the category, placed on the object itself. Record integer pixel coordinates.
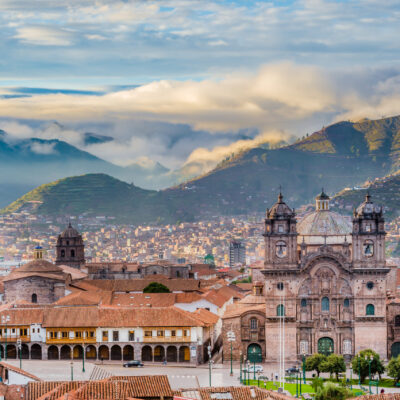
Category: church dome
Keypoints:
(70, 232)
(324, 223)
(40, 266)
(280, 209)
(368, 208)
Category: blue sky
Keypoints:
(198, 66)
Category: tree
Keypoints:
(393, 369)
(330, 391)
(313, 363)
(359, 360)
(334, 364)
(317, 383)
(156, 287)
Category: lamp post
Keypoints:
(304, 365)
(297, 385)
(83, 355)
(241, 360)
(368, 358)
(351, 377)
(72, 371)
(248, 371)
(231, 338)
(209, 363)
(359, 370)
(19, 347)
(4, 320)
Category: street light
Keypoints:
(359, 370)
(72, 371)
(19, 347)
(304, 365)
(231, 338)
(4, 320)
(368, 358)
(241, 360)
(209, 362)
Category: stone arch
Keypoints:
(128, 353)
(65, 352)
(254, 353)
(34, 298)
(159, 353)
(104, 353)
(326, 260)
(24, 351)
(172, 354)
(36, 352)
(52, 353)
(326, 346)
(11, 351)
(184, 354)
(116, 353)
(147, 353)
(78, 352)
(91, 353)
(2, 351)
(395, 349)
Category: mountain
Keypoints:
(344, 154)
(94, 138)
(384, 191)
(99, 195)
(340, 155)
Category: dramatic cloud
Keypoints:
(44, 36)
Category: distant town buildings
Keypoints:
(237, 253)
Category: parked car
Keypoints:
(258, 368)
(292, 370)
(133, 363)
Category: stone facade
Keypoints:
(70, 249)
(325, 284)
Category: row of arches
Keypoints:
(118, 353)
(33, 353)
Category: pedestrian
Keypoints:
(276, 377)
(272, 376)
(382, 391)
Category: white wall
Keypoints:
(15, 378)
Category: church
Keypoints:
(324, 287)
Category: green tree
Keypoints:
(359, 360)
(156, 287)
(330, 391)
(393, 368)
(334, 364)
(317, 383)
(313, 363)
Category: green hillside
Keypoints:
(98, 195)
(384, 191)
(341, 155)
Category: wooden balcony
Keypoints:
(13, 339)
(69, 341)
(170, 339)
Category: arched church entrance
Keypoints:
(325, 346)
(254, 353)
(395, 350)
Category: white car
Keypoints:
(258, 368)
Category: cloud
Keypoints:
(43, 148)
(44, 36)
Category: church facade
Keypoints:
(325, 284)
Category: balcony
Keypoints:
(67, 340)
(13, 339)
(164, 339)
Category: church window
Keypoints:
(303, 302)
(67, 242)
(280, 249)
(368, 228)
(368, 248)
(370, 285)
(72, 253)
(280, 228)
(346, 303)
(397, 320)
(178, 274)
(280, 285)
(370, 309)
(325, 304)
(280, 310)
(253, 323)
(34, 298)
(115, 336)
(62, 253)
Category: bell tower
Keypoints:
(70, 248)
(280, 237)
(368, 235)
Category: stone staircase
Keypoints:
(99, 373)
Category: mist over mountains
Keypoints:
(341, 155)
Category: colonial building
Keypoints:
(325, 283)
(70, 249)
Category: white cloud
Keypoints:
(44, 36)
(43, 148)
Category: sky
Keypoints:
(194, 80)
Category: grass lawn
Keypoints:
(290, 387)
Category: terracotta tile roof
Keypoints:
(235, 392)
(188, 297)
(135, 285)
(19, 371)
(237, 309)
(101, 390)
(75, 273)
(144, 299)
(12, 392)
(23, 316)
(218, 297)
(61, 389)
(16, 275)
(80, 298)
(38, 389)
(147, 386)
(73, 317)
(205, 316)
